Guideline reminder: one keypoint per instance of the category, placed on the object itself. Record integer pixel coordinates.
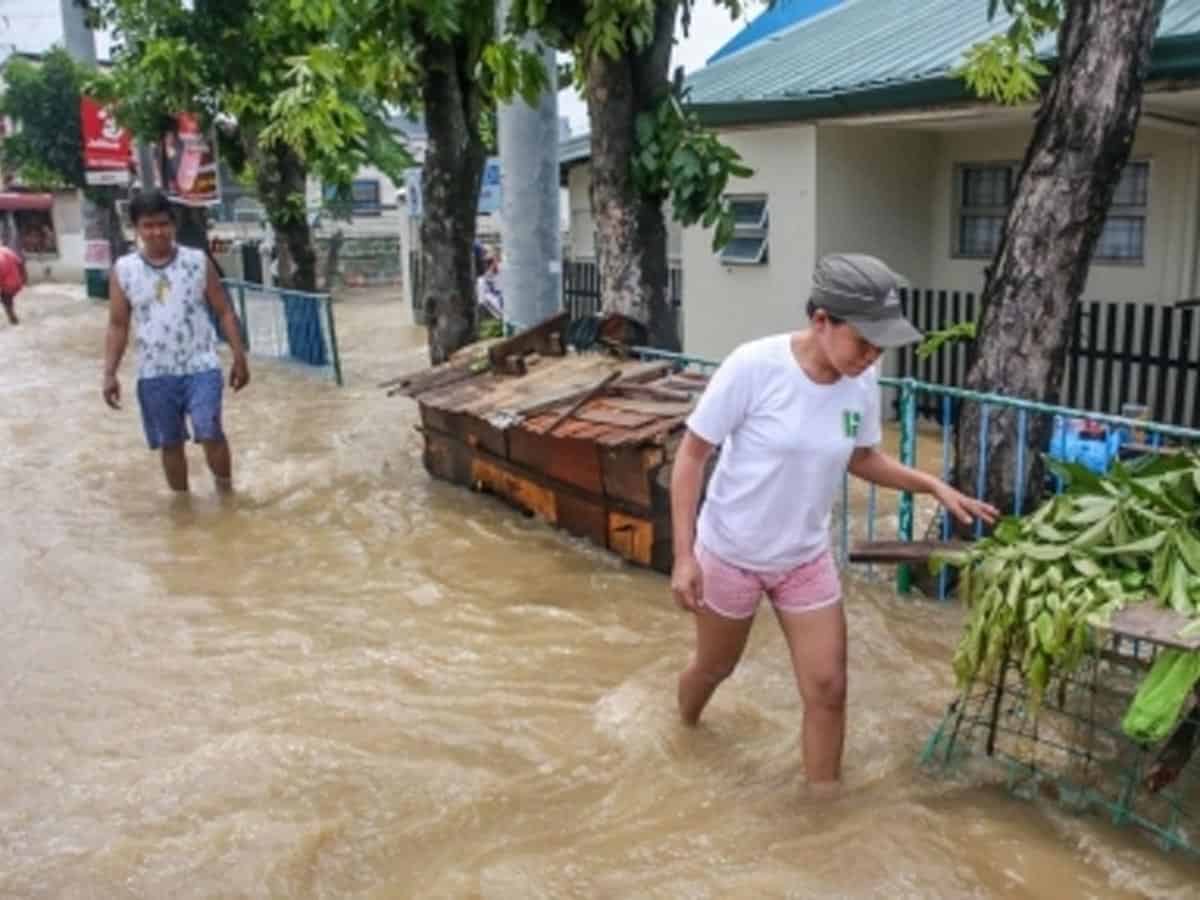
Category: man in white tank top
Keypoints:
(168, 291)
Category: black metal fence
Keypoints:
(580, 286)
(1120, 352)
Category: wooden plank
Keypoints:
(544, 339)
(631, 538)
(583, 518)
(902, 551)
(566, 460)
(651, 407)
(655, 433)
(521, 492)
(480, 433)
(615, 418)
(447, 458)
(429, 380)
(433, 419)
(652, 392)
(1147, 622)
(587, 395)
(627, 473)
(516, 415)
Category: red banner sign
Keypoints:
(106, 146)
(189, 162)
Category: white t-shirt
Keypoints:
(786, 444)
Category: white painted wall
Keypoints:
(1165, 275)
(873, 195)
(67, 264)
(727, 305)
(580, 243)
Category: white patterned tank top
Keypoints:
(174, 334)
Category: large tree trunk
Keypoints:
(191, 226)
(1081, 142)
(453, 169)
(281, 179)
(631, 230)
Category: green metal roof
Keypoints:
(575, 149)
(882, 54)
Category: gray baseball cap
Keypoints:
(862, 291)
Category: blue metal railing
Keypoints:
(910, 391)
(286, 324)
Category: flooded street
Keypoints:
(351, 681)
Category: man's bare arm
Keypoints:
(214, 291)
(115, 341)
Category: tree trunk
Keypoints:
(453, 169)
(191, 226)
(631, 230)
(281, 180)
(333, 259)
(1081, 142)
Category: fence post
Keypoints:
(333, 344)
(908, 456)
(244, 323)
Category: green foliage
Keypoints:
(1036, 587)
(677, 157)
(1005, 68)
(935, 340)
(272, 67)
(490, 328)
(46, 152)
(373, 55)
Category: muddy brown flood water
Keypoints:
(353, 681)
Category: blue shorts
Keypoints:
(167, 399)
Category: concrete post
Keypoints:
(531, 262)
(81, 45)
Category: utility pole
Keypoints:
(531, 267)
(80, 43)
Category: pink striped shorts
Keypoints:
(735, 593)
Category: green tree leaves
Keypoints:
(46, 152)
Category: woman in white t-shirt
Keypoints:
(791, 413)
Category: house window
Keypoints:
(364, 195)
(750, 220)
(983, 194)
(1124, 236)
(35, 232)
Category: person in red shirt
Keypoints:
(12, 280)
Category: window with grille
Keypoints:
(750, 222)
(364, 195)
(983, 194)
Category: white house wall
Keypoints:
(873, 195)
(728, 305)
(580, 241)
(1165, 276)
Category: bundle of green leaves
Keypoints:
(1038, 584)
